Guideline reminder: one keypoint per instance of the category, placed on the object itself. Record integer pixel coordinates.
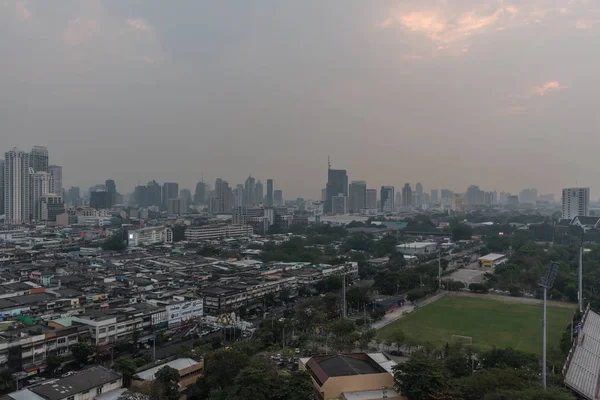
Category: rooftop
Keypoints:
(582, 369)
(492, 257)
(82, 381)
(178, 364)
(324, 367)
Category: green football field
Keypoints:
(489, 322)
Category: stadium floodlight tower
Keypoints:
(546, 282)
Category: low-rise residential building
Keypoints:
(150, 235)
(189, 372)
(217, 231)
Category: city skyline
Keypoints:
(160, 93)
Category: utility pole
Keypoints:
(580, 273)
(546, 282)
(440, 269)
(344, 293)
(154, 345)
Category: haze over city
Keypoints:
(496, 93)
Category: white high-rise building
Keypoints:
(42, 184)
(56, 172)
(17, 176)
(1, 187)
(575, 202)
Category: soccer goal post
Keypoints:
(467, 340)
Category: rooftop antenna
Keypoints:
(328, 163)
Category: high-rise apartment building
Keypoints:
(239, 196)
(177, 206)
(337, 182)
(57, 173)
(433, 198)
(407, 195)
(200, 193)
(42, 184)
(269, 197)
(575, 202)
(357, 196)
(528, 196)
(111, 188)
(278, 198)
(475, 196)
(418, 195)
(386, 198)
(38, 159)
(249, 191)
(187, 195)
(1, 187)
(170, 190)
(446, 194)
(17, 189)
(371, 199)
(225, 195)
(258, 193)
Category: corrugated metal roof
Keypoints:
(179, 364)
(583, 369)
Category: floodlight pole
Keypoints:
(544, 322)
(580, 273)
(440, 269)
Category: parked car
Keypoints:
(67, 374)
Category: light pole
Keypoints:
(580, 274)
(545, 283)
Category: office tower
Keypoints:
(225, 195)
(38, 159)
(386, 198)
(151, 195)
(170, 190)
(50, 206)
(200, 193)
(407, 195)
(214, 202)
(249, 191)
(258, 193)
(397, 200)
(528, 196)
(503, 199)
(73, 196)
(278, 198)
(42, 183)
(57, 173)
(187, 195)
(339, 204)
(575, 202)
(434, 196)
(446, 194)
(324, 195)
(371, 199)
(475, 196)
(337, 182)
(101, 200)
(512, 200)
(239, 194)
(357, 196)
(269, 197)
(177, 206)
(419, 195)
(17, 188)
(1, 187)
(111, 188)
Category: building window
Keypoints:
(102, 330)
(99, 390)
(62, 340)
(111, 328)
(71, 398)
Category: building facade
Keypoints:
(357, 196)
(387, 199)
(575, 202)
(371, 199)
(17, 181)
(57, 173)
(407, 195)
(218, 231)
(337, 182)
(339, 204)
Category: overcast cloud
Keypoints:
(498, 93)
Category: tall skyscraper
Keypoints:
(42, 184)
(371, 199)
(101, 200)
(57, 173)
(575, 202)
(200, 193)
(337, 183)
(74, 196)
(225, 196)
(278, 198)
(50, 206)
(419, 195)
(528, 196)
(187, 196)
(357, 196)
(17, 178)
(407, 195)
(170, 190)
(339, 204)
(386, 198)
(239, 200)
(324, 195)
(258, 193)
(446, 194)
(38, 158)
(111, 188)
(434, 196)
(249, 191)
(269, 197)
(1, 187)
(475, 196)
(153, 194)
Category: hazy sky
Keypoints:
(503, 94)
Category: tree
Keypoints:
(114, 243)
(166, 384)
(421, 377)
(461, 232)
(53, 362)
(415, 294)
(399, 338)
(256, 381)
(6, 378)
(531, 394)
(127, 368)
(133, 396)
(82, 351)
(297, 386)
(378, 313)
(179, 233)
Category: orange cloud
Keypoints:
(549, 86)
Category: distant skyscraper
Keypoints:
(475, 196)
(278, 197)
(528, 196)
(42, 183)
(177, 205)
(419, 195)
(398, 200)
(357, 196)
(258, 193)
(371, 199)
(337, 182)
(434, 196)
(73, 196)
(249, 191)
(101, 200)
(57, 172)
(200, 193)
(187, 195)
(17, 178)
(111, 188)
(50, 206)
(339, 204)
(575, 202)
(225, 195)
(153, 194)
(446, 194)
(239, 200)
(170, 190)
(324, 195)
(269, 197)
(1, 187)
(38, 159)
(386, 198)
(407, 195)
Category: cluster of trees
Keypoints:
(396, 280)
(115, 242)
(456, 373)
